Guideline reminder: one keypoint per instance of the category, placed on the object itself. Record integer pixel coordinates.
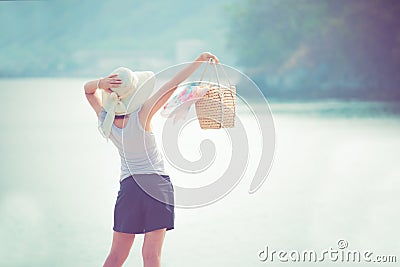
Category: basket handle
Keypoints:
(211, 61)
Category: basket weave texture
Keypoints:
(216, 109)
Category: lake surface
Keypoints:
(336, 175)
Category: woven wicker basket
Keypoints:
(216, 109)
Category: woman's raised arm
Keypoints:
(103, 83)
(154, 103)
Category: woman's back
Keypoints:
(137, 148)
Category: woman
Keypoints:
(125, 112)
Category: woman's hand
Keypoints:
(104, 83)
(109, 82)
(206, 56)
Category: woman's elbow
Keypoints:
(88, 89)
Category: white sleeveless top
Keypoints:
(137, 148)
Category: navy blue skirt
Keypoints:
(145, 203)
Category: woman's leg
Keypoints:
(151, 250)
(121, 245)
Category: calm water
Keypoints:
(336, 175)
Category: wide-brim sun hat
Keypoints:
(135, 89)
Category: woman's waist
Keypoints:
(146, 164)
(140, 155)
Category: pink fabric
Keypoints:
(180, 103)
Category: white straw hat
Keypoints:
(135, 89)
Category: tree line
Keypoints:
(319, 48)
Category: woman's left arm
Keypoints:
(154, 103)
(104, 83)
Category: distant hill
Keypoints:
(61, 38)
